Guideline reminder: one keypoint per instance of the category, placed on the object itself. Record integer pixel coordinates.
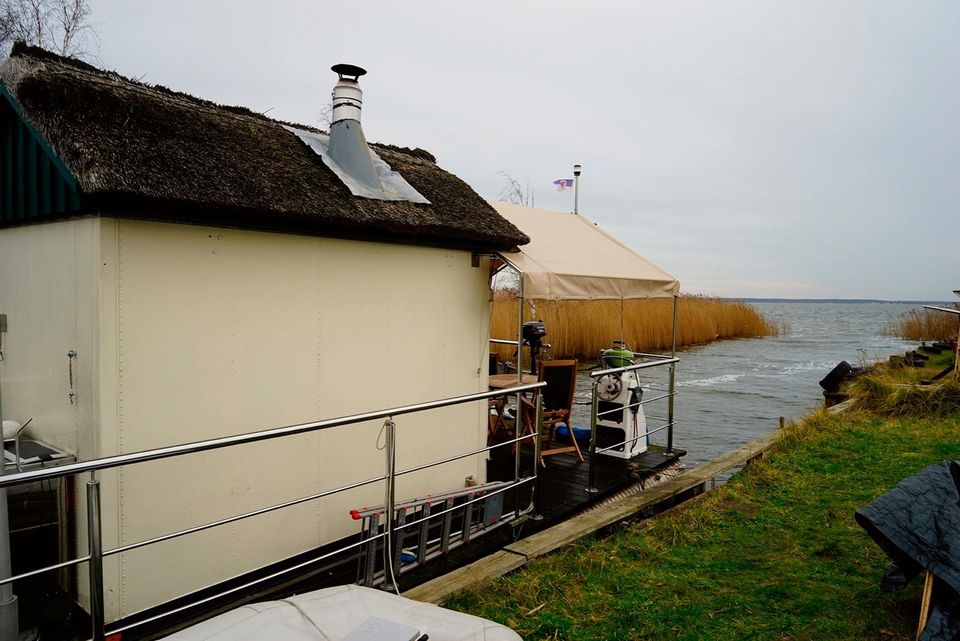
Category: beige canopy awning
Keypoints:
(570, 258)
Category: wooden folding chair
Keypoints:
(561, 379)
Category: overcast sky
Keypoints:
(765, 148)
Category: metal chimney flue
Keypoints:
(348, 145)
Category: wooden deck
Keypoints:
(563, 481)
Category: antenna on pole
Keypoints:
(576, 189)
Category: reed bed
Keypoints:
(581, 329)
(924, 325)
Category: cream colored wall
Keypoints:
(49, 289)
(48, 293)
(213, 332)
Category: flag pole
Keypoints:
(576, 189)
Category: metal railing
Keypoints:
(96, 553)
(655, 360)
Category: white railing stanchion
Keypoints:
(95, 545)
(537, 515)
(591, 486)
(390, 451)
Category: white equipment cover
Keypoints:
(570, 258)
(331, 614)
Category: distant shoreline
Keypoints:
(838, 300)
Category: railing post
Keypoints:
(537, 515)
(389, 502)
(517, 452)
(9, 619)
(673, 375)
(95, 545)
(591, 486)
(518, 415)
(673, 382)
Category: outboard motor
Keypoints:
(532, 335)
(620, 416)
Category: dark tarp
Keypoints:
(917, 524)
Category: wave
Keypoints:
(713, 380)
(808, 366)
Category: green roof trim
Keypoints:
(35, 184)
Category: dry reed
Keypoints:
(924, 325)
(581, 329)
(883, 395)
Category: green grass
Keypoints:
(774, 554)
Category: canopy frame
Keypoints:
(612, 282)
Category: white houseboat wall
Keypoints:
(172, 270)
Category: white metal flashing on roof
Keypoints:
(394, 187)
(570, 258)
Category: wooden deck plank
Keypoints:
(497, 564)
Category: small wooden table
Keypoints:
(499, 404)
(503, 381)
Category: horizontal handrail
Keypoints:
(647, 355)
(48, 568)
(630, 406)
(239, 517)
(632, 440)
(207, 445)
(635, 366)
(943, 309)
(481, 450)
(500, 341)
(431, 500)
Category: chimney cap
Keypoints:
(344, 69)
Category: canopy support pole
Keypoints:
(673, 375)
(518, 415)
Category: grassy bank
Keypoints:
(924, 325)
(774, 554)
(581, 329)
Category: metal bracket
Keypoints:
(72, 354)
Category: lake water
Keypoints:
(731, 392)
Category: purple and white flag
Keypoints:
(563, 184)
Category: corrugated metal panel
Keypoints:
(35, 185)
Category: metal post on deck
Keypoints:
(591, 486)
(518, 413)
(9, 619)
(673, 376)
(537, 515)
(95, 545)
(389, 502)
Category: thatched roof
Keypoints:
(147, 152)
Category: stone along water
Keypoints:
(730, 392)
